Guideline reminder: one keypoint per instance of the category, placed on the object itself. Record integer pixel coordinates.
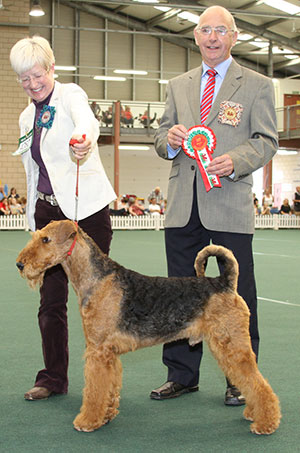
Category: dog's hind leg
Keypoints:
(100, 373)
(226, 331)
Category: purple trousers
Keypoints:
(52, 314)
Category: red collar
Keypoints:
(74, 241)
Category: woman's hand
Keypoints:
(80, 146)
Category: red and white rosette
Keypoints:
(200, 145)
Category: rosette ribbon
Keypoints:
(200, 145)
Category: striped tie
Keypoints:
(208, 94)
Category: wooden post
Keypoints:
(267, 176)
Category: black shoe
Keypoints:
(233, 397)
(171, 390)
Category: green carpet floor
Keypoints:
(197, 422)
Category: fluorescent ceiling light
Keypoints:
(163, 82)
(286, 152)
(130, 71)
(244, 37)
(65, 68)
(134, 147)
(282, 5)
(162, 8)
(189, 16)
(291, 57)
(36, 9)
(260, 44)
(147, 1)
(110, 78)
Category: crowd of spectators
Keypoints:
(135, 206)
(12, 203)
(269, 208)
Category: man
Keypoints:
(243, 120)
(157, 195)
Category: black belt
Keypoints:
(50, 198)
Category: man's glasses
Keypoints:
(35, 77)
(207, 30)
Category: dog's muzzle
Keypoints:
(20, 266)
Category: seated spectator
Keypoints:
(145, 120)
(257, 209)
(96, 110)
(127, 117)
(122, 208)
(158, 195)
(4, 208)
(265, 210)
(154, 208)
(15, 207)
(107, 117)
(268, 200)
(23, 202)
(296, 201)
(285, 207)
(2, 194)
(135, 207)
(13, 193)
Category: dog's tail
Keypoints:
(226, 259)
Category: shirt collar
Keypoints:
(221, 68)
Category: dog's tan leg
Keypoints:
(114, 392)
(227, 334)
(100, 370)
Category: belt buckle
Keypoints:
(52, 200)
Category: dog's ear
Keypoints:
(67, 230)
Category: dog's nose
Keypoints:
(20, 266)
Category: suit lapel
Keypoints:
(193, 94)
(229, 86)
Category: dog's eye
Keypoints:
(45, 240)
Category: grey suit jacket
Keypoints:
(251, 144)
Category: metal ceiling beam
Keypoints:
(267, 34)
(185, 4)
(162, 17)
(128, 22)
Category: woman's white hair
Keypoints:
(31, 51)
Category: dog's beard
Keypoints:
(34, 280)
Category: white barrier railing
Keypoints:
(277, 221)
(147, 222)
(13, 222)
(141, 222)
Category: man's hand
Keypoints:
(221, 166)
(176, 134)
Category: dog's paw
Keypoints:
(82, 423)
(263, 428)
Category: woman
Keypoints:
(4, 207)
(285, 207)
(13, 193)
(58, 113)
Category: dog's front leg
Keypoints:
(100, 372)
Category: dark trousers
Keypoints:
(182, 246)
(52, 314)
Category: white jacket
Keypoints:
(72, 116)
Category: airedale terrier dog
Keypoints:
(123, 310)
